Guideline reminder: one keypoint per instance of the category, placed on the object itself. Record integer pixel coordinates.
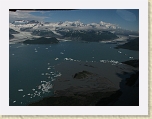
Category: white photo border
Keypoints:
(142, 109)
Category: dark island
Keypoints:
(131, 45)
(43, 33)
(134, 77)
(89, 36)
(134, 63)
(41, 40)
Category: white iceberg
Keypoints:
(56, 58)
(20, 89)
(61, 53)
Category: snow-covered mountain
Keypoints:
(66, 30)
(74, 25)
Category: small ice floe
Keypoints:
(69, 59)
(131, 57)
(20, 89)
(66, 59)
(57, 75)
(110, 47)
(50, 46)
(14, 101)
(39, 87)
(21, 102)
(49, 68)
(119, 51)
(23, 95)
(12, 54)
(48, 77)
(103, 61)
(46, 48)
(42, 74)
(47, 74)
(52, 79)
(37, 94)
(51, 72)
(29, 94)
(36, 51)
(112, 61)
(61, 53)
(56, 58)
(125, 54)
(33, 89)
(48, 63)
(92, 57)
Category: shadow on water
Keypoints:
(127, 95)
(130, 91)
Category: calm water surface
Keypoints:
(31, 67)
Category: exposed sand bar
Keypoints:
(104, 77)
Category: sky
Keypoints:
(126, 19)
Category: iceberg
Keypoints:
(20, 89)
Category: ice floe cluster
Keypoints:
(70, 59)
(131, 57)
(110, 61)
(45, 86)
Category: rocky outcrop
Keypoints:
(82, 74)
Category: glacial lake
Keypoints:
(31, 67)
